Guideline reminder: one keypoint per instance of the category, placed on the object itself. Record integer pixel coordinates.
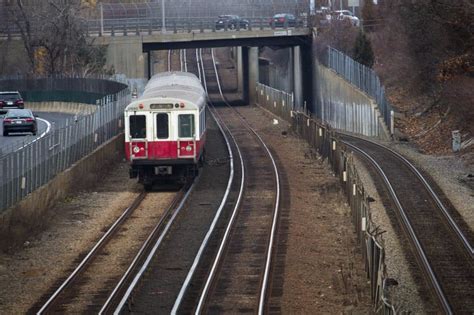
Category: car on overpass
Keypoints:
(11, 99)
(283, 20)
(19, 120)
(232, 21)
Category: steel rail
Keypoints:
(421, 253)
(198, 257)
(428, 187)
(230, 223)
(185, 61)
(198, 65)
(169, 60)
(103, 240)
(144, 247)
(277, 198)
(274, 220)
(203, 72)
(138, 276)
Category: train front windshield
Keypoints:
(138, 126)
(186, 126)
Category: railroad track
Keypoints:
(125, 244)
(442, 242)
(210, 242)
(205, 210)
(236, 279)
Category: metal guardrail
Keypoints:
(33, 165)
(364, 79)
(197, 8)
(283, 103)
(153, 25)
(325, 141)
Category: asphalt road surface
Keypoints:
(46, 123)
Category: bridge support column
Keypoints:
(240, 70)
(307, 76)
(253, 74)
(149, 65)
(297, 77)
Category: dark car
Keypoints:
(19, 120)
(232, 21)
(11, 100)
(283, 19)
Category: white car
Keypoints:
(347, 15)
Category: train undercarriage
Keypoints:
(164, 173)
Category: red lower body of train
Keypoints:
(164, 161)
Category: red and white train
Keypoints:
(165, 129)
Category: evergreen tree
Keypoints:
(363, 50)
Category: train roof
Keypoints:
(174, 78)
(172, 87)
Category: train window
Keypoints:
(138, 126)
(186, 126)
(162, 129)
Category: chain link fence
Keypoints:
(33, 165)
(363, 78)
(62, 89)
(325, 140)
(175, 15)
(283, 103)
(199, 8)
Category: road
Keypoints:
(46, 123)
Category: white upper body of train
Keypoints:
(168, 122)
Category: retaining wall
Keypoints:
(61, 107)
(344, 107)
(30, 214)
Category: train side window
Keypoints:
(186, 126)
(162, 126)
(138, 126)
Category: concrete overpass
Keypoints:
(129, 51)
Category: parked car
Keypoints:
(283, 19)
(19, 120)
(233, 22)
(11, 100)
(347, 15)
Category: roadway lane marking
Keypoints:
(48, 128)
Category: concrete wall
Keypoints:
(345, 107)
(280, 69)
(125, 54)
(31, 214)
(61, 107)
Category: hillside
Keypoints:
(425, 57)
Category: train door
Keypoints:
(186, 136)
(163, 148)
(138, 143)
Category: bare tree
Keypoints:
(54, 37)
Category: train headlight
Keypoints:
(136, 149)
(189, 148)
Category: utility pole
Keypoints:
(102, 19)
